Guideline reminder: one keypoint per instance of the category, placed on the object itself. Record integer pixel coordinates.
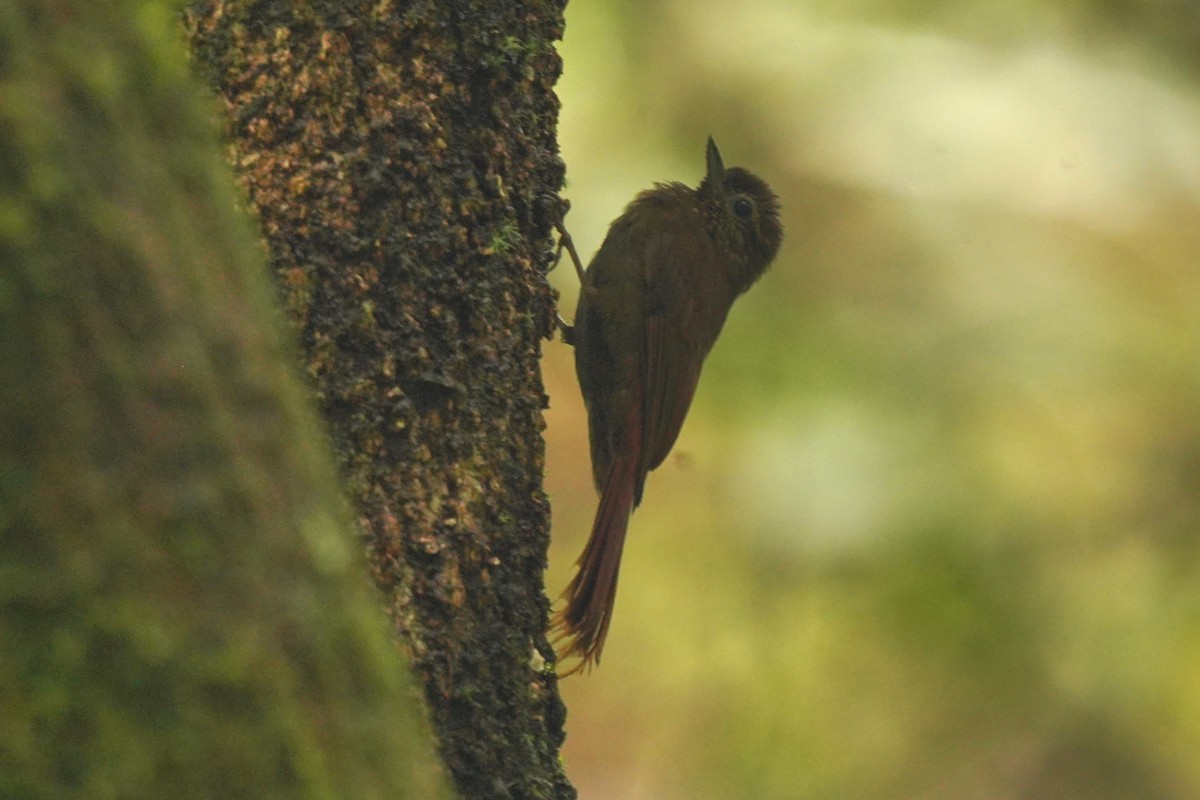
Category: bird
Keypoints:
(651, 305)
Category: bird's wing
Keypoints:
(679, 331)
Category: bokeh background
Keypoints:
(932, 529)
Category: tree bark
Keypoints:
(183, 611)
(403, 164)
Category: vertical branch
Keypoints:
(404, 168)
(182, 611)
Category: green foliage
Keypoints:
(930, 529)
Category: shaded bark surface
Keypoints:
(183, 607)
(403, 164)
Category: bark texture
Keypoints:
(183, 609)
(402, 161)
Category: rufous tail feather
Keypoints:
(583, 623)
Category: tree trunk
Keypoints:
(403, 165)
(183, 612)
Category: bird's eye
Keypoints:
(743, 208)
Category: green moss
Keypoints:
(184, 614)
(504, 239)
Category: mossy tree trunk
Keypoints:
(183, 609)
(403, 164)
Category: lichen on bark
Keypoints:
(402, 161)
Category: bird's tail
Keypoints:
(583, 623)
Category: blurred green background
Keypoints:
(931, 529)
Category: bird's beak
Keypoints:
(716, 168)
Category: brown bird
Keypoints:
(653, 300)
